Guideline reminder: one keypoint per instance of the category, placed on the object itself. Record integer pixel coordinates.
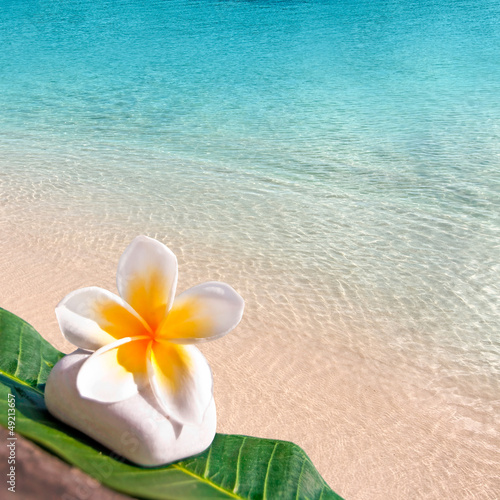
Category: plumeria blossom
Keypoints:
(146, 336)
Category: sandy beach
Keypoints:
(371, 435)
(336, 163)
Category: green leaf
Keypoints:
(239, 467)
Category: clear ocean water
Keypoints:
(341, 157)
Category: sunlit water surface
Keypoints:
(337, 162)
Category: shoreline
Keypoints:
(361, 427)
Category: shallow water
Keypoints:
(338, 163)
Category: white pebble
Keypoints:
(135, 428)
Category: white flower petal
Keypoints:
(93, 317)
(204, 312)
(116, 371)
(181, 381)
(147, 278)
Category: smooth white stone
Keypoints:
(135, 428)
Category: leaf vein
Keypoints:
(322, 491)
(19, 351)
(40, 370)
(208, 462)
(300, 478)
(267, 471)
(21, 382)
(186, 481)
(211, 483)
(238, 461)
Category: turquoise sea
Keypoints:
(337, 161)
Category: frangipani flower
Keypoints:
(145, 336)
